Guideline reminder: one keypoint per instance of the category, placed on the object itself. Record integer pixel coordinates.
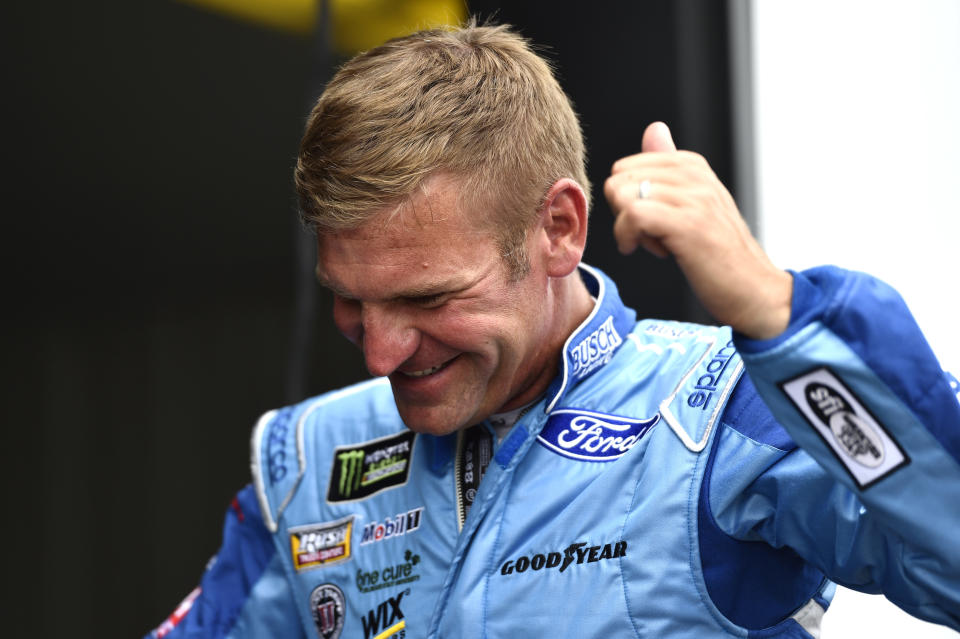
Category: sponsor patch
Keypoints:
(474, 452)
(321, 544)
(396, 526)
(857, 439)
(559, 560)
(386, 620)
(366, 469)
(710, 378)
(397, 574)
(595, 349)
(671, 331)
(177, 615)
(327, 605)
(589, 436)
(277, 434)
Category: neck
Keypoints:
(571, 304)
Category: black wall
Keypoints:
(150, 271)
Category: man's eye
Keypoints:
(429, 300)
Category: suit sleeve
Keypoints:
(871, 496)
(243, 592)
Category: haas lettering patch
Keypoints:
(857, 439)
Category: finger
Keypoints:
(650, 159)
(657, 176)
(655, 246)
(639, 225)
(628, 238)
(657, 138)
(626, 196)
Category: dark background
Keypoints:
(156, 305)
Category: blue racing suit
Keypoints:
(650, 493)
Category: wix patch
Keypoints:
(858, 440)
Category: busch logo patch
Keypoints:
(328, 606)
(854, 435)
(595, 349)
(587, 436)
(321, 544)
(395, 526)
(366, 469)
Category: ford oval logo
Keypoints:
(590, 436)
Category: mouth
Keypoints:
(428, 371)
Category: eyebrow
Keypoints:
(428, 289)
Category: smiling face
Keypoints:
(429, 300)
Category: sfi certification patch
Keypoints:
(858, 440)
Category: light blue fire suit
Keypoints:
(650, 493)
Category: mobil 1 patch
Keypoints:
(365, 469)
(854, 435)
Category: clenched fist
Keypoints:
(671, 203)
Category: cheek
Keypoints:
(346, 315)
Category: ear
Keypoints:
(564, 220)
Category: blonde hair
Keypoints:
(475, 102)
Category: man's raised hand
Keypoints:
(672, 203)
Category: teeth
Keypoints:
(424, 373)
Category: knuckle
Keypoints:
(610, 187)
(692, 157)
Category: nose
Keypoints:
(383, 332)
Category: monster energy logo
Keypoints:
(351, 463)
(365, 469)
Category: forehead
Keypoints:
(429, 241)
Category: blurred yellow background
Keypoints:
(355, 25)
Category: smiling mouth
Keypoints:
(428, 371)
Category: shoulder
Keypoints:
(290, 442)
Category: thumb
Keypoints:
(657, 138)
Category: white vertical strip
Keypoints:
(741, 94)
(858, 142)
(858, 164)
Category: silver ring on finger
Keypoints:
(643, 191)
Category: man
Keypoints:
(529, 459)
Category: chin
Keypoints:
(422, 421)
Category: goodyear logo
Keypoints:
(321, 544)
(574, 554)
(365, 469)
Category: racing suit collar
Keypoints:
(594, 342)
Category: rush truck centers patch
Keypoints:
(321, 544)
(366, 469)
(857, 439)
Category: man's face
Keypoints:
(427, 297)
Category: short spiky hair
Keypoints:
(475, 102)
